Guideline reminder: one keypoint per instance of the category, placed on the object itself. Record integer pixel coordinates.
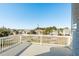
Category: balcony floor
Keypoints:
(46, 50)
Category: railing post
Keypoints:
(2, 45)
(68, 41)
(41, 39)
(20, 39)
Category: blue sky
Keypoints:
(28, 15)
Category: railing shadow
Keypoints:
(23, 49)
(57, 51)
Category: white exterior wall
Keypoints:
(75, 29)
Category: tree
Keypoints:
(48, 30)
(54, 28)
(31, 32)
(4, 32)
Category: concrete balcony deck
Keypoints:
(46, 50)
(15, 51)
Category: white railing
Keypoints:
(10, 41)
(48, 39)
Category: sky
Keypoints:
(29, 15)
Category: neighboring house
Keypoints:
(66, 32)
(55, 33)
(19, 31)
(23, 31)
(26, 31)
(39, 31)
